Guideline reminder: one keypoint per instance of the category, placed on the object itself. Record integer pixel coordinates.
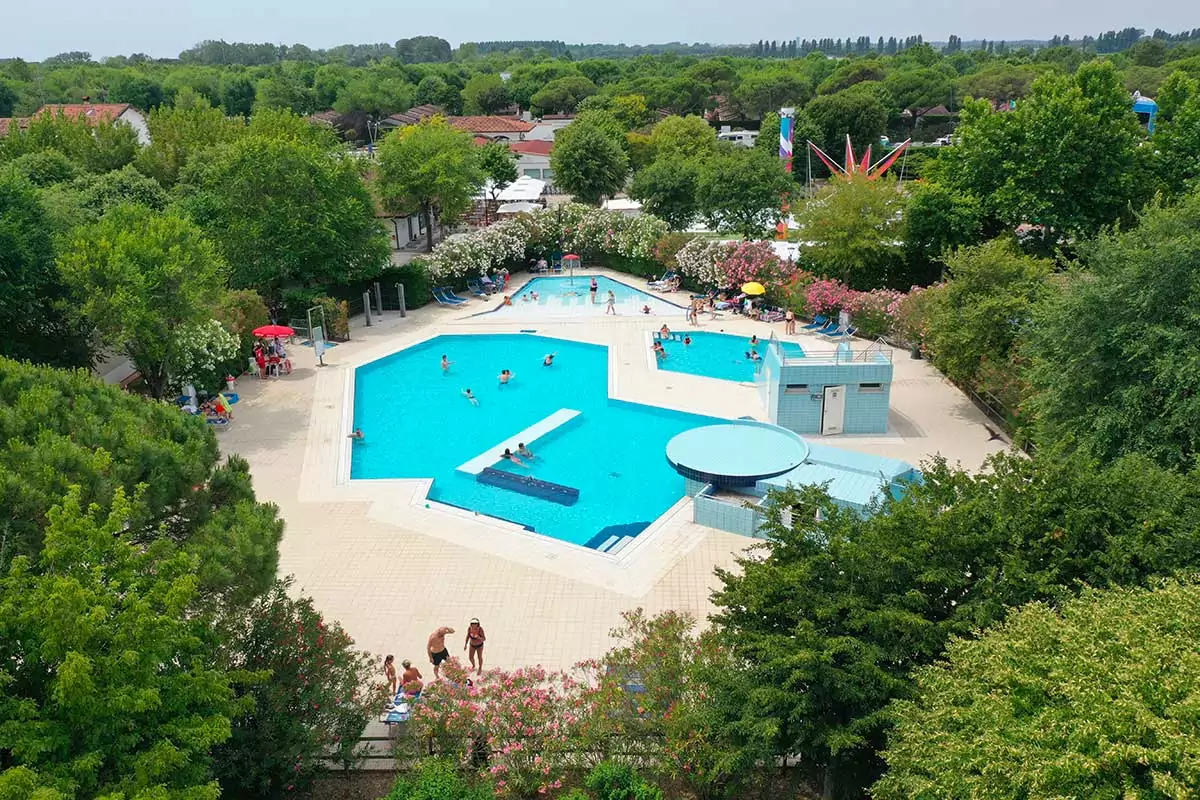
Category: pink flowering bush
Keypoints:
(826, 297)
(873, 313)
(742, 262)
(521, 729)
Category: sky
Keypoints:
(35, 30)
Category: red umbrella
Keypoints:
(274, 330)
(570, 257)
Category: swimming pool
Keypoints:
(562, 296)
(418, 425)
(718, 355)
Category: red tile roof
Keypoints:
(416, 114)
(8, 124)
(490, 124)
(533, 147)
(89, 111)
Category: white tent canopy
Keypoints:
(523, 189)
(517, 208)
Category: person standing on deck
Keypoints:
(437, 649)
(475, 639)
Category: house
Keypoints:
(8, 124)
(102, 112)
(546, 127)
(533, 158)
(412, 116)
(492, 128)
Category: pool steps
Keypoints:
(531, 434)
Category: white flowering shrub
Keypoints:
(203, 353)
(571, 228)
(700, 260)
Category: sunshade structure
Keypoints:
(274, 330)
(754, 288)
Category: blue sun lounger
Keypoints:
(816, 324)
(477, 288)
(444, 297)
(828, 329)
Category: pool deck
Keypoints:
(392, 566)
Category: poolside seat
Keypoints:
(664, 281)
(556, 266)
(450, 295)
(816, 324)
(842, 332)
(829, 328)
(477, 288)
(445, 297)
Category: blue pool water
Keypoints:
(418, 425)
(719, 355)
(565, 296)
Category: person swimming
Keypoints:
(664, 331)
(507, 300)
(510, 456)
(446, 364)
(357, 435)
(505, 376)
(525, 451)
(687, 340)
(754, 341)
(753, 355)
(525, 298)
(549, 359)
(660, 352)
(646, 309)
(467, 394)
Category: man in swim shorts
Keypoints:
(437, 649)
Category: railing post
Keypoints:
(367, 307)
(400, 292)
(378, 298)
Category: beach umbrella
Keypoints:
(754, 288)
(570, 257)
(274, 330)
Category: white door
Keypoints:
(833, 410)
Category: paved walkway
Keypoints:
(375, 556)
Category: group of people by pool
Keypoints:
(411, 681)
(664, 334)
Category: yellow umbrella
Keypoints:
(754, 288)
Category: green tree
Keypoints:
(1112, 355)
(1065, 158)
(45, 167)
(499, 165)
(1176, 144)
(1101, 684)
(138, 276)
(828, 621)
(429, 166)
(561, 95)
(854, 233)
(937, 220)
(588, 161)
(856, 112)
(743, 190)
(179, 132)
(916, 90)
(667, 189)
(434, 90)
(438, 779)
(35, 316)
(976, 317)
(683, 137)
(485, 94)
(761, 93)
(284, 213)
(109, 691)
(67, 429)
(630, 110)
(308, 698)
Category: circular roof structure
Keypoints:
(735, 454)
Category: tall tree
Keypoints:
(743, 190)
(499, 165)
(1102, 685)
(429, 167)
(109, 690)
(857, 112)
(285, 213)
(1113, 355)
(139, 276)
(1064, 158)
(588, 161)
(937, 220)
(667, 189)
(36, 318)
(830, 619)
(854, 233)
(485, 94)
(683, 137)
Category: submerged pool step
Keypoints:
(617, 546)
(528, 485)
(531, 434)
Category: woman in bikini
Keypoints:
(475, 639)
(389, 671)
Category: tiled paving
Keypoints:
(392, 567)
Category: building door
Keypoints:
(833, 410)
